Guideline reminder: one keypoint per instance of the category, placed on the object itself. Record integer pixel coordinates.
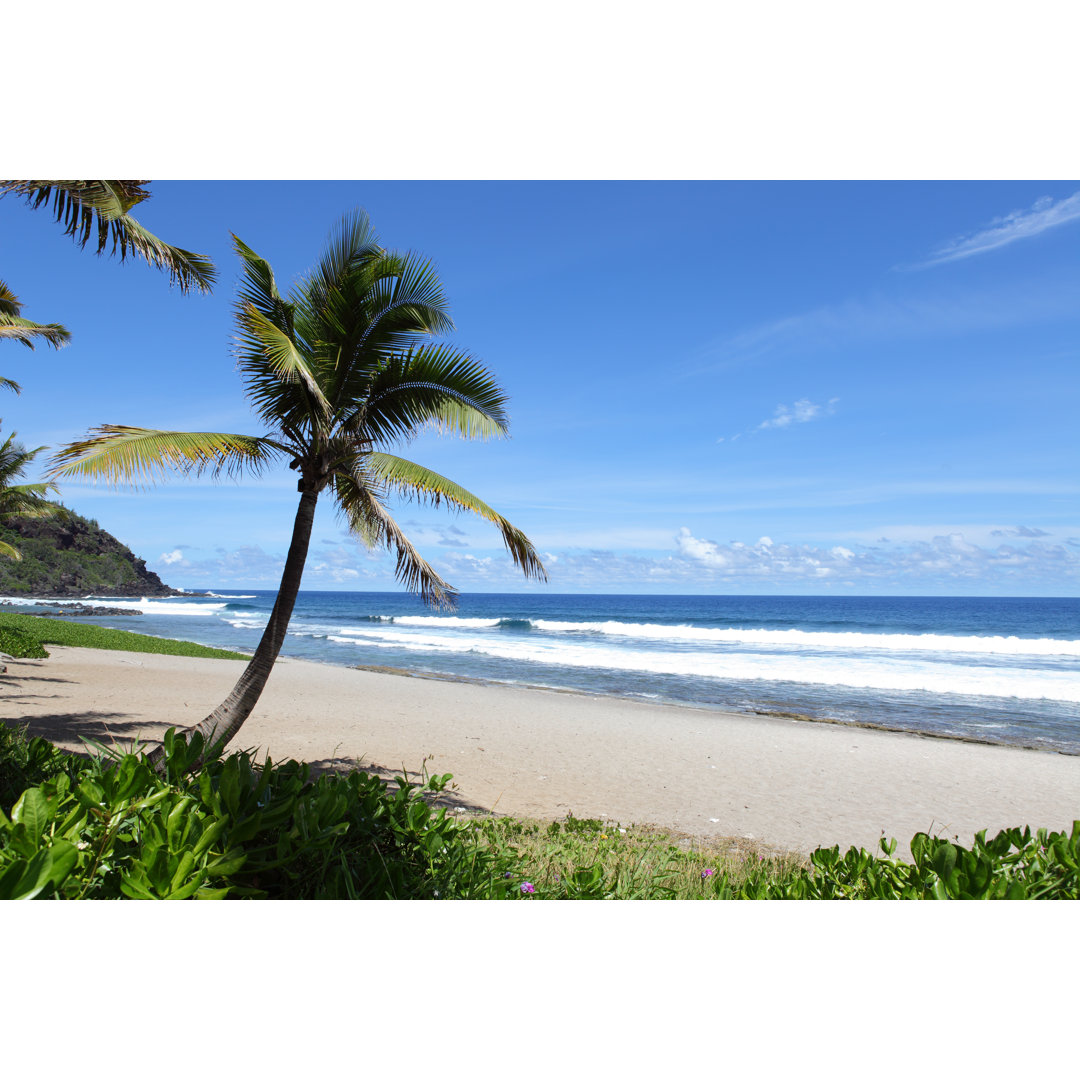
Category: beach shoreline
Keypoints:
(539, 753)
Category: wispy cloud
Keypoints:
(857, 322)
(801, 412)
(1013, 226)
(1020, 530)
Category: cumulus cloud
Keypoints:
(801, 412)
(1015, 225)
(171, 558)
(944, 558)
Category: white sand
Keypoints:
(786, 783)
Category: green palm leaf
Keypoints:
(419, 484)
(373, 524)
(21, 500)
(135, 455)
(13, 326)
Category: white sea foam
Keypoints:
(252, 623)
(877, 673)
(847, 640)
(162, 607)
(229, 596)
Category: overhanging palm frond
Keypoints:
(419, 484)
(136, 455)
(373, 524)
(99, 209)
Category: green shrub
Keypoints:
(21, 645)
(112, 827)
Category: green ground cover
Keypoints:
(26, 636)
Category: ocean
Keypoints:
(1003, 670)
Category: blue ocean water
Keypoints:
(992, 669)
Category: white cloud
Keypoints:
(170, 558)
(944, 558)
(801, 412)
(1013, 226)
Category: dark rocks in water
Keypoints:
(69, 556)
(59, 608)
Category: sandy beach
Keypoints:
(789, 784)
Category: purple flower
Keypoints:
(508, 874)
(707, 873)
(527, 888)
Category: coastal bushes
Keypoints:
(32, 632)
(110, 827)
(16, 642)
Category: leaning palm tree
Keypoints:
(21, 500)
(340, 368)
(100, 210)
(14, 327)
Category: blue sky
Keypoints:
(716, 387)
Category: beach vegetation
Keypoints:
(338, 370)
(25, 636)
(209, 826)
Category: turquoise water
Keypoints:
(993, 669)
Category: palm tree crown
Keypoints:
(20, 500)
(340, 368)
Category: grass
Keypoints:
(585, 857)
(20, 633)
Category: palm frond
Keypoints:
(13, 326)
(370, 520)
(268, 351)
(433, 386)
(419, 484)
(136, 455)
(25, 332)
(10, 384)
(351, 241)
(9, 302)
(10, 552)
(99, 210)
(28, 501)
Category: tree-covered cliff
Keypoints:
(69, 555)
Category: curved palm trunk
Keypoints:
(227, 719)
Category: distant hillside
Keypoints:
(72, 556)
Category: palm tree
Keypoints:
(341, 367)
(100, 209)
(21, 500)
(13, 326)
